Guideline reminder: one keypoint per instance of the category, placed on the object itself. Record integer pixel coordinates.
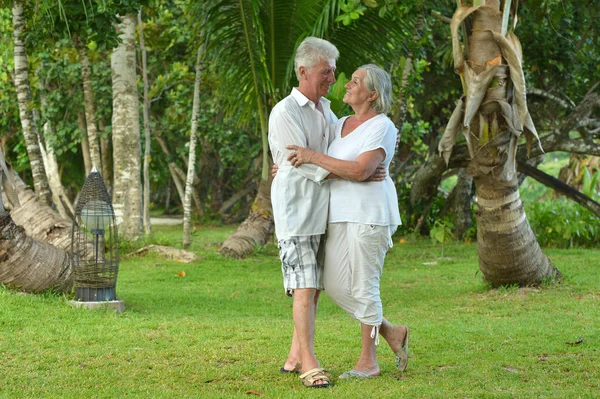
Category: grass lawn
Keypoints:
(223, 331)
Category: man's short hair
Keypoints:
(311, 51)
(379, 81)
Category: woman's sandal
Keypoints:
(312, 376)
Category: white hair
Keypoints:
(379, 81)
(311, 51)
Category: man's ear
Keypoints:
(303, 71)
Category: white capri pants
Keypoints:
(354, 257)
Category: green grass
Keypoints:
(223, 331)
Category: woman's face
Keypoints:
(356, 89)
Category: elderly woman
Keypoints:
(362, 216)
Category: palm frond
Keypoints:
(254, 41)
(371, 39)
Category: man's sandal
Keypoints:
(311, 377)
(295, 370)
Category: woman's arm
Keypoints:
(359, 170)
(378, 175)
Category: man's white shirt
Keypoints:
(300, 199)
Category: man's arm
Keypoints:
(286, 130)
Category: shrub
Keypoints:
(563, 224)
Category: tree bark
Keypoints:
(106, 163)
(492, 115)
(258, 227)
(40, 222)
(61, 200)
(127, 190)
(31, 265)
(189, 182)
(147, 142)
(30, 133)
(59, 196)
(85, 146)
(508, 249)
(89, 102)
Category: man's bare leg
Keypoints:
(305, 308)
(295, 355)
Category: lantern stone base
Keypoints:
(117, 305)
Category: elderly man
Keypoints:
(300, 203)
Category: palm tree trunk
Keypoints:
(127, 190)
(40, 181)
(40, 222)
(146, 206)
(189, 181)
(492, 116)
(508, 249)
(59, 196)
(85, 147)
(90, 105)
(105, 151)
(258, 227)
(31, 265)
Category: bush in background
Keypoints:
(563, 224)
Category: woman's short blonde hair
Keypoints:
(379, 81)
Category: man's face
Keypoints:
(320, 77)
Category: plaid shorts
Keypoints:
(302, 259)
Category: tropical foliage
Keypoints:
(411, 39)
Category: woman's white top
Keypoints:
(359, 202)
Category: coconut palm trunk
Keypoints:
(90, 106)
(39, 220)
(27, 263)
(492, 115)
(189, 181)
(256, 229)
(59, 196)
(60, 199)
(147, 142)
(31, 265)
(127, 187)
(40, 181)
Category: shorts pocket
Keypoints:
(289, 255)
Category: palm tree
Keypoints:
(492, 115)
(127, 190)
(253, 42)
(90, 105)
(189, 181)
(34, 258)
(30, 133)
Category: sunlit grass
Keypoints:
(223, 331)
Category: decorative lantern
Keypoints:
(95, 244)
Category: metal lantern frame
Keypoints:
(94, 243)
